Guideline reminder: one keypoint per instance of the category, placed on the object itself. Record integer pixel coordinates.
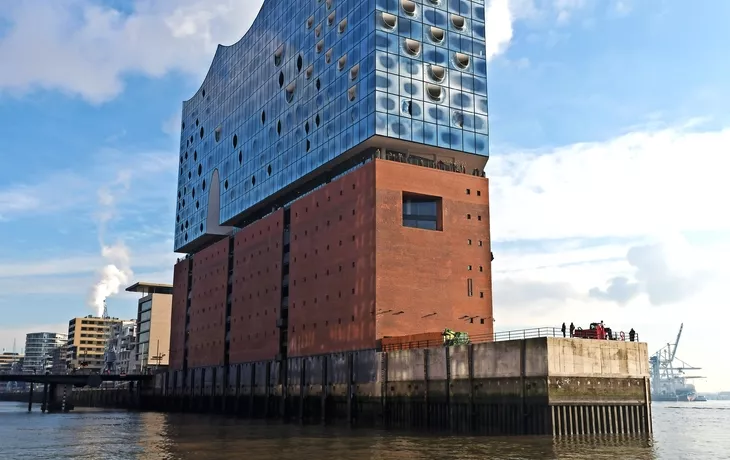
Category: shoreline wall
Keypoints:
(542, 386)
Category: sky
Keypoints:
(609, 135)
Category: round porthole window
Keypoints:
(434, 92)
(412, 47)
(461, 60)
(438, 73)
(437, 34)
(409, 7)
(389, 20)
(458, 21)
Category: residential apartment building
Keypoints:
(120, 352)
(39, 347)
(58, 360)
(87, 342)
(154, 312)
(10, 362)
(331, 188)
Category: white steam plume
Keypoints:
(117, 272)
(112, 277)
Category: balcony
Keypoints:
(456, 167)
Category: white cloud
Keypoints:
(499, 27)
(171, 126)
(623, 7)
(24, 198)
(62, 191)
(145, 258)
(83, 48)
(631, 230)
(641, 183)
(565, 9)
(667, 272)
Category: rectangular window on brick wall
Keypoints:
(422, 211)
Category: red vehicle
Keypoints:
(597, 332)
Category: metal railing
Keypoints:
(451, 166)
(521, 334)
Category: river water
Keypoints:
(681, 431)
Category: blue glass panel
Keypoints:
(282, 97)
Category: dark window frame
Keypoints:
(422, 211)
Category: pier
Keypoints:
(58, 394)
(536, 386)
(532, 382)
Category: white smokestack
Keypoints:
(117, 272)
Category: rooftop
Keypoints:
(150, 288)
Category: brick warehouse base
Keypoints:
(544, 386)
(338, 269)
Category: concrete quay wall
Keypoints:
(542, 386)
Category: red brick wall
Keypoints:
(177, 320)
(332, 275)
(256, 296)
(422, 272)
(208, 307)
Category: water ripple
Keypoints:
(681, 432)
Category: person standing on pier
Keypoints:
(572, 329)
(632, 335)
(563, 330)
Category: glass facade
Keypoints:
(143, 339)
(39, 349)
(313, 79)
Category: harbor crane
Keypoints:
(668, 373)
